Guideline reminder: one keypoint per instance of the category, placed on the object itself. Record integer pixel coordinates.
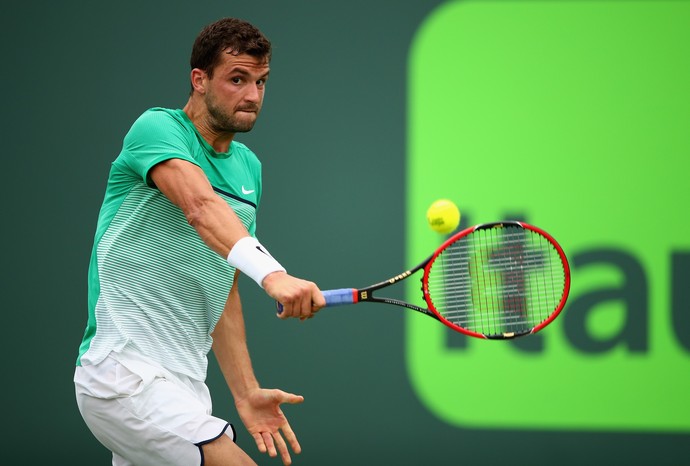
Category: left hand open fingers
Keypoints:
(260, 444)
(273, 444)
(282, 448)
(291, 438)
(270, 445)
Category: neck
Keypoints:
(199, 116)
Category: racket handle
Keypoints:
(337, 297)
(340, 296)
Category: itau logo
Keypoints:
(562, 115)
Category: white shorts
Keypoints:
(145, 414)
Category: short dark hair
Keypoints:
(228, 33)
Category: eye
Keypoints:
(236, 80)
(261, 82)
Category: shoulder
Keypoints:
(159, 127)
(158, 117)
(157, 135)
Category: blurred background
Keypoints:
(572, 115)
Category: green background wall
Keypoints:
(333, 137)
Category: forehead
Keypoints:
(244, 63)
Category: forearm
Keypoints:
(186, 185)
(230, 348)
(188, 188)
(216, 224)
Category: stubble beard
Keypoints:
(221, 121)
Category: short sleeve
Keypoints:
(154, 137)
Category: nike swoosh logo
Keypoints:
(247, 191)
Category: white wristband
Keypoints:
(252, 259)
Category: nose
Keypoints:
(254, 93)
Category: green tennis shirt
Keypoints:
(154, 287)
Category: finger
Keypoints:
(305, 305)
(282, 448)
(259, 442)
(286, 311)
(291, 438)
(317, 299)
(282, 313)
(290, 398)
(270, 446)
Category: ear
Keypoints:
(199, 79)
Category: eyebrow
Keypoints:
(242, 71)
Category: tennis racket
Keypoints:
(495, 280)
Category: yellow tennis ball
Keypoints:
(443, 216)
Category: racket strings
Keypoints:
(497, 281)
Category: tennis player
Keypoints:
(177, 225)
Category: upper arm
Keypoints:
(187, 186)
(155, 137)
(184, 183)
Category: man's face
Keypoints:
(236, 92)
